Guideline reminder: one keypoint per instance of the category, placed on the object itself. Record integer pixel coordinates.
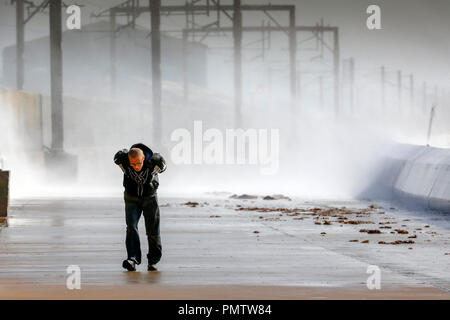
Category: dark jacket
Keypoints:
(145, 182)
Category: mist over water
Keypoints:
(322, 154)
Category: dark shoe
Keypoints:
(129, 264)
(151, 267)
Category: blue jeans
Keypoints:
(133, 210)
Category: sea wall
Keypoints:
(415, 175)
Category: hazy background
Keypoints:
(321, 156)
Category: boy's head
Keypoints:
(136, 157)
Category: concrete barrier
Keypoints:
(20, 120)
(4, 193)
(415, 175)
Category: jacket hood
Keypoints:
(147, 151)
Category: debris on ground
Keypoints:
(370, 231)
(397, 242)
(293, 214)
(342, 215)
(272, 219)
(214, 216)
(331, 212)
(358, 222)
(256, 231)
(192, 204)
(262, 209)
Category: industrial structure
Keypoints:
(87, 72)
(118, 55)
(132, 9)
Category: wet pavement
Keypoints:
(222, 242)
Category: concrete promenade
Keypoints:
(217, 248)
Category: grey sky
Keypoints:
(415, 36)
